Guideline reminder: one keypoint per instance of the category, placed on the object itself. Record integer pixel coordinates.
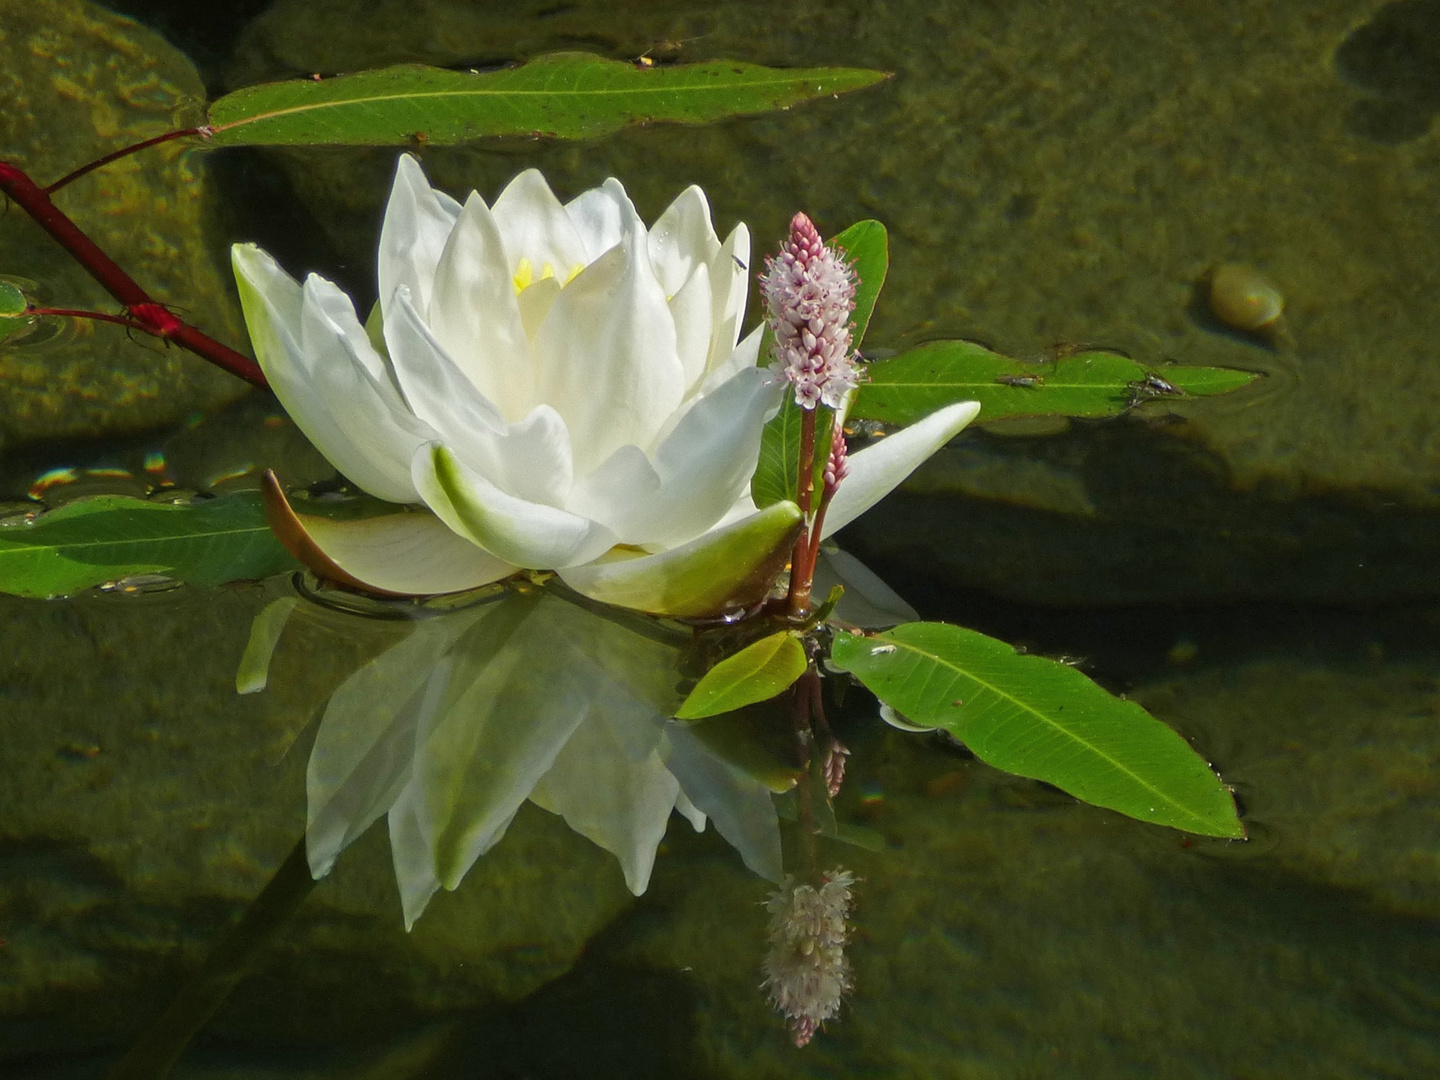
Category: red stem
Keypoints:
(144, 312)
(126, 152)
(801, 569)
(94, 316)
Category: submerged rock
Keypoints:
(146, 804)
(78, 83)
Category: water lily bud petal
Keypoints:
(403, 553)
(726, 569)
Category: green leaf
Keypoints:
(100, 539)
(914, 384)
(756, 673)
(868, 245)
(565, 95)
(778, 470)
(1038, 718)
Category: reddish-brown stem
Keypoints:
(143, 312)
(801, 570)
(94, 316)
(126, 152)
(812, 554)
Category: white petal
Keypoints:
(536, 227)
(691, 309)
(744, 355)
(320, 366)
(474, 314)
(529, 459)
(602, 216)
(534, 303)
(879, 468)
(699, 471)
(606, 357)
(618, 493)
(525, 533)
(418, 220)
(681, 239)
(730, 283)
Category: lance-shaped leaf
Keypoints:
(914, 384)
(1038, 718)
(757, 672)
(109, 537)
(866, 243)
(565, 95)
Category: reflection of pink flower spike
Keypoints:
(810, 288)
(837, 466)
(806, 971)
(835, 766)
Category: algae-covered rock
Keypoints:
(1049, 176)
(77, 83)
(145, 805)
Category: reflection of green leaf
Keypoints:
(914, 384)
(1037, 718)
(99, 539)
(565, 95)
(757, 672)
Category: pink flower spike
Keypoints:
(810, 289)
(837, 466)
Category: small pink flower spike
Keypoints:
(837, 466)
(810, 289)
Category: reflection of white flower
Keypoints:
(559, 387)
(531, 697)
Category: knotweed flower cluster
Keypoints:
(810, 290)
(806, 972)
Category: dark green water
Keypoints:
(1257, 572)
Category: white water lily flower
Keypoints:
(559, 387)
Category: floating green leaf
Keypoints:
(108, 537)
(1038, 718)
(12, 301)
(914, 384)
(565, 95)
(757, 672)
(866, 243)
